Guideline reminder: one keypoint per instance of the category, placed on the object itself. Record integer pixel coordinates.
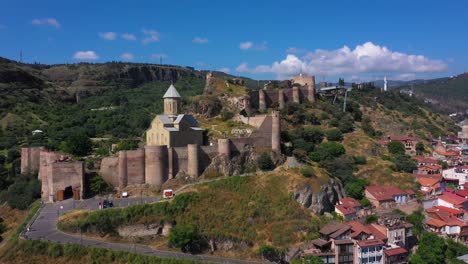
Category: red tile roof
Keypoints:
(427, 181)
(382, 193)
(378, 231)
(462, 193)
(358, 228)
(395, 251)
(445, 209)
(452, 198)
(345, 210)
(349, 202)
(402, 138)
(370, 242)
(421, 159)
(436, 222)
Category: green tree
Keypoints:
(265, 163)
(97, 185)
(417, 220)
(365, 202)
(404, 163)
(334, 135)
(78, 144)
(186, 238)
(308, 260)
(431, 250)
(396, 148)
(371, 219)
(126, 145)
(341, 82)
(420, 149)
(355, 188)
(327, 150)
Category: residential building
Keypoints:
(459, 174)
(369, 251)
(396, 255)
(348, 208)
(430, 186)
(385, 196)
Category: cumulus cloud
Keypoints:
(224, 69)
(108, 35)
(86, 55)
(246, 45)
(150, 36)
(365, 58)
(46, 22)
(200, 40)
(127, 56)
(128, 36)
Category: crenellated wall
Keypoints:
(264, 99)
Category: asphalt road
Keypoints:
(44, 227)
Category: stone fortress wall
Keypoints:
(55, 170)
(156, 164)
(264, 99)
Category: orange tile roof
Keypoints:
(452, 198)
(345, 210)
(425, 159)
(395, 251)
(444, 208)
(436, 223)
(427, 181)
(349, 202)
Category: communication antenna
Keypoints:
(160, 59)
(21, 56)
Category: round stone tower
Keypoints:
(296, 95)
(122, 170)
(275, 131)
(281, 99)
(156, 165)
(193, 169)
(223, 147)
(311, 90)
(262, 106)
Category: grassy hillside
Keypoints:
(249, 211)
(448, 94)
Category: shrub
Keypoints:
(226, 115)
(404, 163)
(74, 251)
(396, 147)
(328, 150)
(54, 250)
(97, 185)
(307, 172)
(355, 188)
(78, 144)
(365, 202)
(265, 163)
(185, 237)
(360, 160)
(268, 252)
(371, 219)
(334, 135)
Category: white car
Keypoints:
(124, 194)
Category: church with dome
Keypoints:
(173, 128)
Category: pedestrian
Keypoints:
(100, 205)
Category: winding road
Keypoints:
(44, 227)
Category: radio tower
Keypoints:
(21, 56)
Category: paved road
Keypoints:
(44, 227)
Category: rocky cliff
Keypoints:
(320, 201)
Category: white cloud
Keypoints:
(127, 56)
(294, 50)
(128, 36)
(46, 22)
(224, 69)
(250, 45)
(108, 35)
(150, 36)
(365, 58)
(200, 40)
(246, 45)
(403, 77)
(157, 56)
(86, 55)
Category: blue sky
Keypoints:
(358, 40)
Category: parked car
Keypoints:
(107, 204)
(168, 193)
(124, 194)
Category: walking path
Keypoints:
(44, 227)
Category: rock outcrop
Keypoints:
(321, 201)
(206, 106)
(142, 230)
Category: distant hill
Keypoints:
(448, 94)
